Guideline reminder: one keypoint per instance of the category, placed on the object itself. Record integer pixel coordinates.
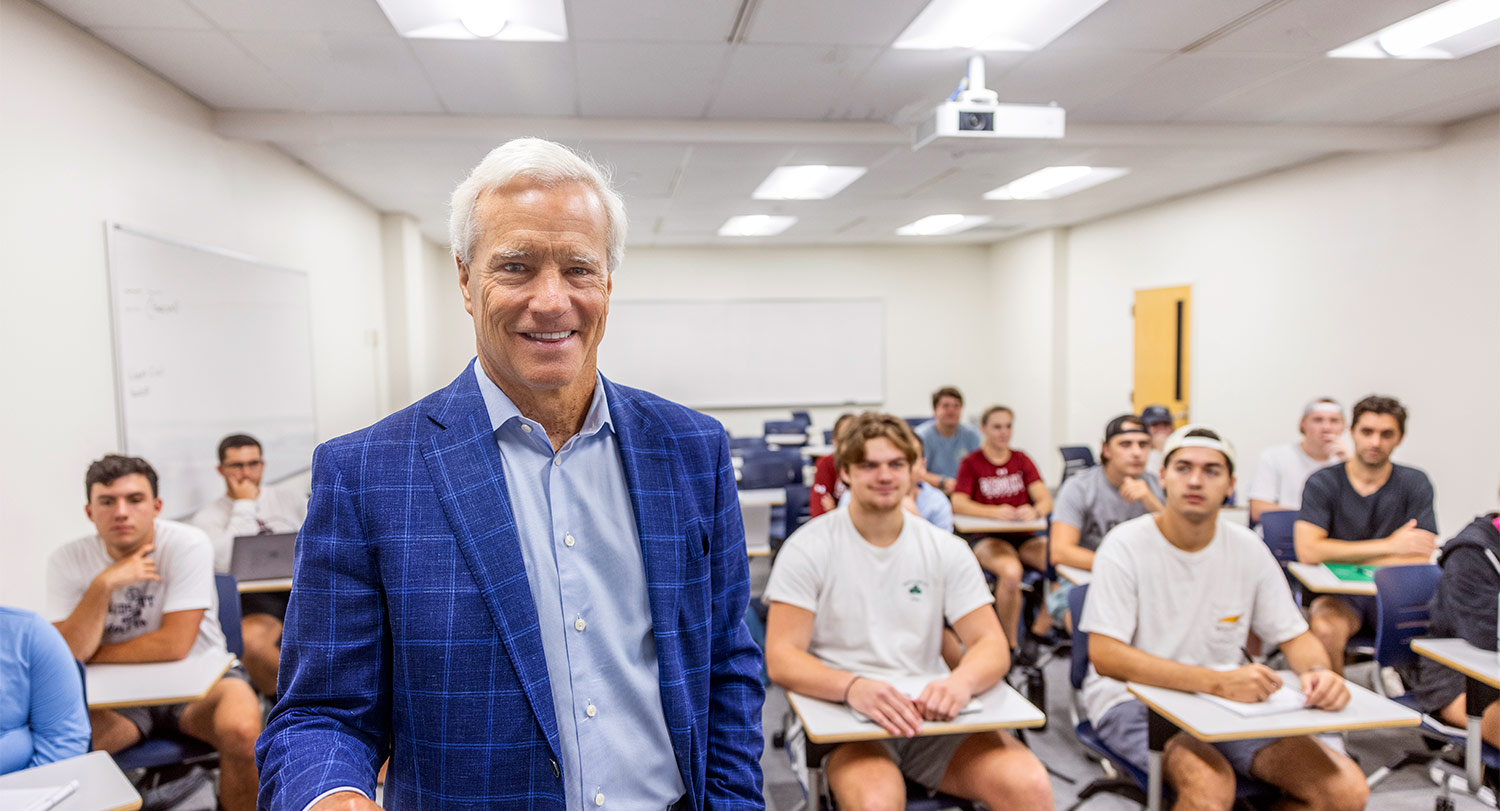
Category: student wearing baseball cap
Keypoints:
(1282, 470)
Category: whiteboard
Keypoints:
(728, 354)
(207, 343)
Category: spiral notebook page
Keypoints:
(1285, 699)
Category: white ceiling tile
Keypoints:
(843, 22)
(1171, 89)
(1307, 86)
(341, 72)
(1453, 109)
(706, 21)
(236, 81)
(646, 80)
(1409, 91)
(1314, 27)
(135, 14)
(1073, 77)
(789, 81)
(638, 170)
(500, 78)
(1153, 25)
(354, 16)
(902, 82)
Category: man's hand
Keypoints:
(1250, 684)
(1408, 540)
(886, 706)
(243, 490)
(1324, 689)
(941, 700)
(828, 503)
(1026, 512)
(1336, 450)
(1005, 512)
(948, 484)
(345, 801)
(1134, 490)
(133, 568)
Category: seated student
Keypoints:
(1173, 598)
(1158, 422)
(858, 597)
(142, 590)
(1092, 502)
(42, 714)
(247, 508)
(1283, 469)
(923, 500)
(947, 439)
(998, 482)
(827, 487)
(1464, 606)
(1367, 510)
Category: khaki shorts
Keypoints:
(923, 760)
(163, 720)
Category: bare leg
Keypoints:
(112, 732)
(1457, 714)
(1332, 621)
(229, 719)
(1311, 776)
(1202, 778)
(863, 777)
(999, 770)
(1000, 559)
(262, 635)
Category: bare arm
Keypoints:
(1041, 500)
(172, 641)
(1406, 545)
(1066, 550)
(84, 628)
(963, 504)
(1322, 687)
(1258, 506)
(986, 657)
(1117, 660)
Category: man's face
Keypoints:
(539, 284)
(1196, 481)
(1159, 433)
(882, 479)
(1375, 438)
(948, 411)
(1128, 452)
(1323, 427)
(123, 511)
(997, 429)
(242, 464)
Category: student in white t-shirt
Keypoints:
(858, 598)
(1283, 469)
(142, 590)
(1173, 598)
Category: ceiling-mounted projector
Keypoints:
(974, 111)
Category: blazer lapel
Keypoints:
(466, 471)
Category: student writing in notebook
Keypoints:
(1172, 601)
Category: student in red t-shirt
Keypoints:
(827, 487)
(998, 482)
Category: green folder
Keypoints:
(1351, 572)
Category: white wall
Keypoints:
(86, 136)
(1356, 275)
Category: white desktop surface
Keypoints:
(827, 722)
(1074, 575)
(767, 497)
(155, 683)
(1209, 722)
(101, 785)
(786, 439)
(972, 524)
(269, 584)
(1476, 663)
(816, 450)
(1318, 579)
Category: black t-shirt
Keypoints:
(1330, 502)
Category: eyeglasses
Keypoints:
(243, 466)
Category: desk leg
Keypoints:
(1478, 696)
(814, 755)
(1158, 730)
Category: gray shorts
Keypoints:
(163, 719)
(1123, 729)
(923, 760)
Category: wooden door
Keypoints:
(1162, 346)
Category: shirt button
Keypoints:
(599, 798)
(557, 462)
(591, 711)
(568, 540)
(525, 429)
(580, 624)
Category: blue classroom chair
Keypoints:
(1076, 458)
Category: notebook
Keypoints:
(911, 687)
(1351, 572)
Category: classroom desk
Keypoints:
(101, 785)
(1320, 580)
(766, 497)
(1075, 575)
(971, 525)
(1173, 710)
(155, 683)
(755, 510)
(828, 724)
(1481, 669)
(817, 450)
(786, 439)
(269, 584)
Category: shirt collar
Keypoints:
(502, 410)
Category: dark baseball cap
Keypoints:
(1123, 424)
(1154, 414)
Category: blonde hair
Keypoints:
(849, 449)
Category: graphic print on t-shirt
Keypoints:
(1003, 486)
(129, 615)
(915, 590)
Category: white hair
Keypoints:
(546, 162)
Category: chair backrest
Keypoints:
(764, 470)
(1401, 597)
(798, 501)
(229, 612)
(1080, 640)
(785, 427)
(1076, 458)
(913, 422)
(740, 445)
(802, 417)
(1276, 530)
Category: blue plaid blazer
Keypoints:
(412, 631)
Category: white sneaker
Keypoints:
(1459, 784)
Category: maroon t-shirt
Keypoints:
(988, 483)
(826, 482)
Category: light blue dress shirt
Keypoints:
(42, 715)
(583, 562)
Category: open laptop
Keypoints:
(262, 557)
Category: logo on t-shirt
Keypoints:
(130, 614)
(914, 590)
(1003, 486)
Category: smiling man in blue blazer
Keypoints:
(528, 588)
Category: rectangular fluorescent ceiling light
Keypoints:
(993, 25)
(755, 225)
(1054, 181)
(940, 224)
(509, 20)
(1450, 30)
(815, 182)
